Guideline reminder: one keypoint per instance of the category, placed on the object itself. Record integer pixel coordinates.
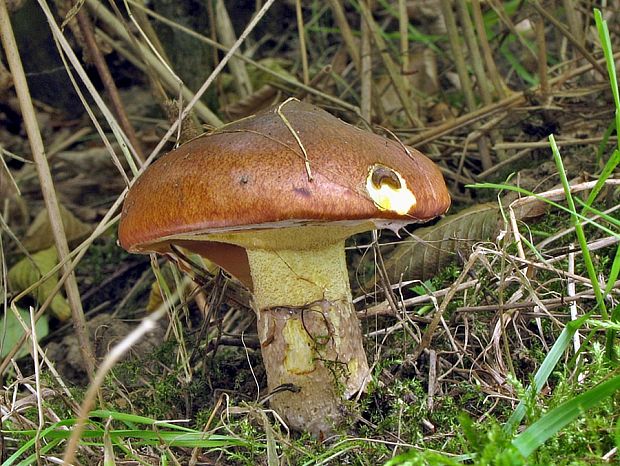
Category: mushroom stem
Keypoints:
(310, 336)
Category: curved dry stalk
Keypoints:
(47, 184)
(115, 354)
(391, 68)
(280, 77)
(170, 81)
(226, 31)
(86, 27)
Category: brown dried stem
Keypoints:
(570, 37)
(392, 70)
(542, 59)
(345, 32)
(227, 36)
(461, 67)
(403, 24)
(86, 27)
(302, 42)
(366, 71)
(457, 53)
(486, 49)
(47, 185)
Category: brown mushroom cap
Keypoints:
(253, 173)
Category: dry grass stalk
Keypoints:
(541, 42)
(457, 54)
(409, 105)
(438, 315)
(345, 32)
(47, 185)
(113, 356)
(461, 68)
(279, 77)
(570, 37)
(148, 323)
(486, 50)
(481, 79)
(489, 110)
(366, 70)
(467, 29)
(403, 29)
(171, 81)
(87, 30)
(225, 30)
(301, 30)
(574, 20)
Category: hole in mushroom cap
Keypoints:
(388, 190)
(381, 175)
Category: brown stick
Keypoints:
(86, 27)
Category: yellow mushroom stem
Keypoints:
(311, 339)
(310, 336)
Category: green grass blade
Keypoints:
(602, 147)
(608, 218)
(135, 419)
(608, 169)
(613, 273)
(525, 192)
(30, 443)
(552, 422)
(581, 237)
(546, 368)
(603, 32)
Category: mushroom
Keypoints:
(271, 199)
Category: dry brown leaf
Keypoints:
(249, 105)
(422, 72)
(155, 297)
(437, 246)
(39, 235)
(29, 270)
